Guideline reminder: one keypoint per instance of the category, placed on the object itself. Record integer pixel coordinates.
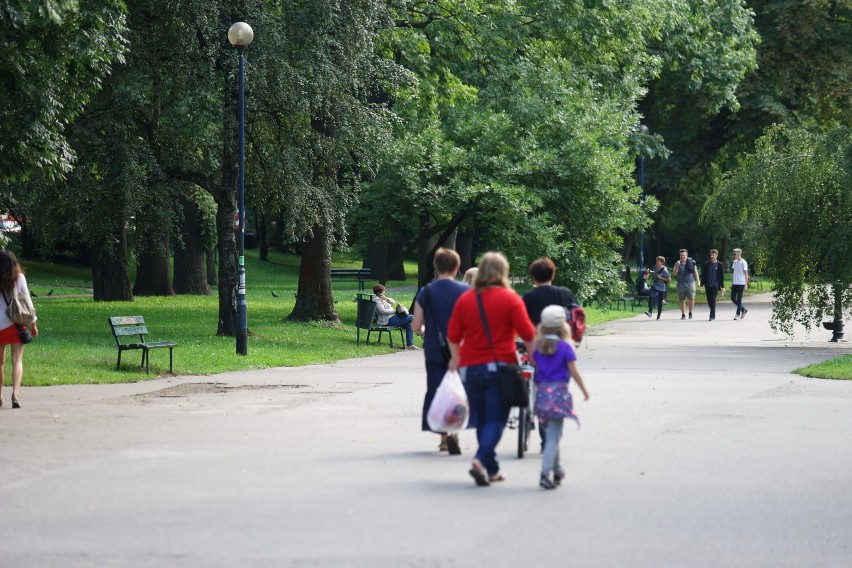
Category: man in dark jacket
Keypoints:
(713, 277)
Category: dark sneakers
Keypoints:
(545, 482)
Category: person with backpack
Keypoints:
(659, 285)
(432, 310)
(13, 282)
(686, 273)
(544, 293)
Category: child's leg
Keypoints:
(553, 432)
(556, 431)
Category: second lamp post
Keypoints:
(240, 36)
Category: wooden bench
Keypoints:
(126, 330)
(359, 275)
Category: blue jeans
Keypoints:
(487, 411)
(550, 459)
(405, 322)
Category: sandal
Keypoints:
(477, 472)
(453, 444)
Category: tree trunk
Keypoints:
(190, 276)
(278, 237)
(377, 261)
(425, 254)
(210, 261)
(314, 300)
(396, 254)
(262, 240)
(228, 274)
(464, 246)
(110, 273)
(153, 263)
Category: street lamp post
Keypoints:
(240, 35)
(642, 130)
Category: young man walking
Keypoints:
(713, 277)
(739, 282)
(686, 274)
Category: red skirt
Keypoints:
(10, 335)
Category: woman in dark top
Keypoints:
(432, 310)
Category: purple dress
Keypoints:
(552, 399)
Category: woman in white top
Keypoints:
(386, 315)
(12, 280)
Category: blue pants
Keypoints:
(487, 411)
(404, 321)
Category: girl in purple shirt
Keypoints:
(556, 363)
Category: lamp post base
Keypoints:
(242, 342)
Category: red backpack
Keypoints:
(577, 322)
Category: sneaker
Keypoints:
(690, 315)
(736, 317)
(712, 318)
(413, 348)
(648, 314)
(745, 311)
(558, 477)
(683, 316)
(658, 316)
(545, 483)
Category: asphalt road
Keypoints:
(698, 448)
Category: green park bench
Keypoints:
(359, 275)
(126, 330)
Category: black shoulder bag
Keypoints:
(445, 348)
(513, 388)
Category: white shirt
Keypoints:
(740, 269)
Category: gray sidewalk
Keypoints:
(698, 448)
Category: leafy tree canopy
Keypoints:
(792, 196)
(54, 55)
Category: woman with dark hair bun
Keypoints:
(12, 280)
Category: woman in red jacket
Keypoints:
(476, 358)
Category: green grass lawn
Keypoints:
(838, 368)
(75, 344)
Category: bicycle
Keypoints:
(524, 421)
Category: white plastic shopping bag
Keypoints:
(449, 411)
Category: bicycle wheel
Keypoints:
(523, 430)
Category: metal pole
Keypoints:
(242, 321)
(642, 202)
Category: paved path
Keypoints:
(698, 448)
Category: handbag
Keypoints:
(20, 308)
(513, 387)
(401, 310)
(445, 347)
(24, 333)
